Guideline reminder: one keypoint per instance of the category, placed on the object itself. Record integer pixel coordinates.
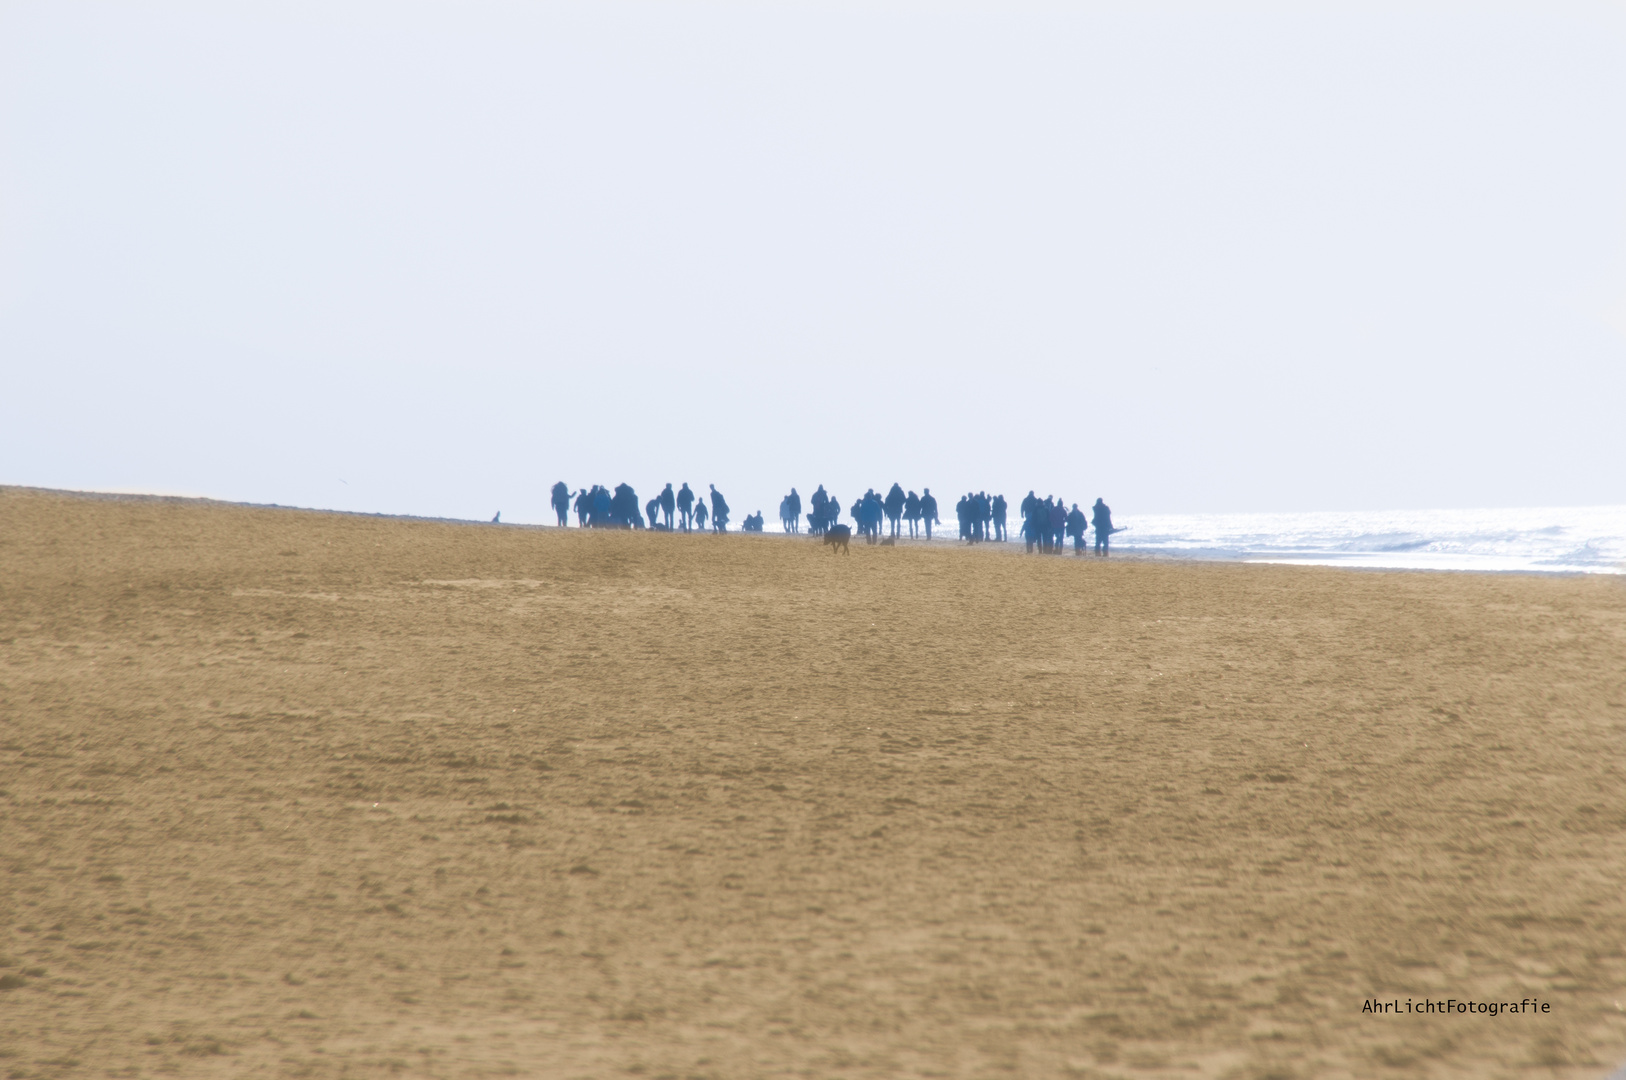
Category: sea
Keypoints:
(1551, 540)
(1529, 540)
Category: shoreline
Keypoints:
(1127, 551)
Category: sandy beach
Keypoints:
(286, 793)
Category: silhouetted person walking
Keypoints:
(561, 503)
(700, 515)
(869, 514)
(1101, 518)
(831, 515)
(999, 509)
(667, 500)
(1035, 522)
(894, 508)
(1077, 526)
(928, 511)
(819, 520)
(719, 509)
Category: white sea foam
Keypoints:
(1576, 539)
(1583, 539)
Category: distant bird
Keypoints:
(496, 518)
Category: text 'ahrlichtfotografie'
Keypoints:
(1457, 1005)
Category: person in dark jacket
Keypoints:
(1077, 526)
(685, 505)
(1101, 518)
(928, 511)
(1035, 523)
(667, 501)
(819, 519)
(893, 505)
(719, 510)
(561, 503)
(624, 508)
(600, 507)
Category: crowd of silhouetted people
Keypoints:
(1047, 523)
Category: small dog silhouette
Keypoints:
(837, 536)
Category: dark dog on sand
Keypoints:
(837, 536)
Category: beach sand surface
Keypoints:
(296, 794)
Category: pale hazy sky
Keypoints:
(429, 258)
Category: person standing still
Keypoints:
(685, 505)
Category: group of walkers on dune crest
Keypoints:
(1046, 523)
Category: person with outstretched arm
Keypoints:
(1101, 518)
(561, 502)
